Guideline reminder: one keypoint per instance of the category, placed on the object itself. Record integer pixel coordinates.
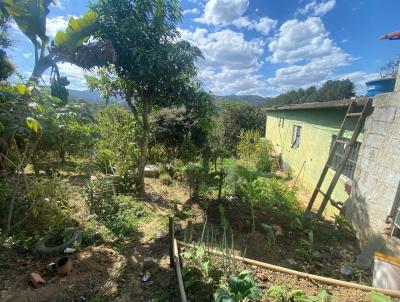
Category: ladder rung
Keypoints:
(354, 114)
(342, 141)
(320, 191)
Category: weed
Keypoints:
(238, 288)
(378, 297)
(166, 179)
(284, 294)
(308, 250)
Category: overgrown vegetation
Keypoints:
(65, 165)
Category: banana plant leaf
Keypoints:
(30, 16)
(78, 31)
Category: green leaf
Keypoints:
(78, 31)
(21, 89)
(29, 15)
(33, 124)
(223, 295)
(378, 297)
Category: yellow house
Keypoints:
(302, 134)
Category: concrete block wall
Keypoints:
(377, 176)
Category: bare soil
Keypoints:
(104, 272)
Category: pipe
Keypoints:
(327, 280)
(182, 294)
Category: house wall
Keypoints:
(318, 126)
(377, 177)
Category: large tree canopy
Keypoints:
(153, 66)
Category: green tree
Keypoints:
(154, 64)
(329, 91)
(232, 119)
(6, 67)
(336, 90)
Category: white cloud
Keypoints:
(191, 11)
(316, 8)
(231, 12)
(309, 52)
(231, 62)
(218, 12)
(265, 25)
(315, 72)
(27, 55)
(301, 40)
(227, 81)
(226, 49)
(60, 4)
(74, 74)
(58, 23)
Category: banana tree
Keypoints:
(69, 46)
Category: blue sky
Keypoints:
(264, 47)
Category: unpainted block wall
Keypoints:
(377, 176)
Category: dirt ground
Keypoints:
(103, 274)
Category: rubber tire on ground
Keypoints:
(42, 249)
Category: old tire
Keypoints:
(43, 249)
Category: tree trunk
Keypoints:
(143, 145)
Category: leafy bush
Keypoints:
(252, 148)
(98, 194)
(273, 193)
(284, 294)
(103, 162)
(166, 179)
(50, 208)
(239, 288)
(119, 133)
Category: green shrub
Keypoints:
(262, 188)
(103, 162)
(166, 179)
(238, 288)
(120, 134)
(98, 194)
(274, 193)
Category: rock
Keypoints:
(346, 270)
(161, 235)
(151, 171)
(36, 279)
(292, 262)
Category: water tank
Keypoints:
(379, 86)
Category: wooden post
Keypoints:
(189, 232)
(221, 181)
(171, 241)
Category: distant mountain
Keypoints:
(255, 100)
(92, 96)
(95, 97)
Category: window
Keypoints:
(281, 122)
(296, 136)
(349, 168)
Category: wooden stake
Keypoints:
(189, 231)
(171, 240)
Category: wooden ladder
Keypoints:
(347, 150)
